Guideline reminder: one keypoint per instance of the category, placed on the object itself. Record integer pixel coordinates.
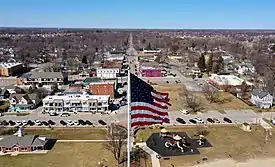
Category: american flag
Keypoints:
(147, 105)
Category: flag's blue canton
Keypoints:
(140, 90)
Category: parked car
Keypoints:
(19, 123)
(12, 123)
(70, 122)
(30, 123)
(210, 120)
(167, 81)
(76, 123)
(216, 120)
(45, 123)
(51, 122)
(53, 114)
(65, 115)
(199, 120)
(192, 121)
(180, 120)
(102, 122)
(37, 122)
(5, 123)
(88, 122)
(185, 112)
(63, 123)
(24, 122)
(81, 122)
(227, 120)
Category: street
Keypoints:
(121, 116)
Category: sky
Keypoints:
(151, 14)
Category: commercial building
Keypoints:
(107, 72)
(222, 81)
(10, 69)
(75, 102)
(42, 78)
(103, 88)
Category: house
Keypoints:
(10, 69)
(4, 94)
(41, 78)
(24, 102)
(107, 72)
(75, 102)
(261, 99)
(20, 144)
(103, 88)
(244, 68)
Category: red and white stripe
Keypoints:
(143, 114)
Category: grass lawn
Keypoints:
(228, 101)
(64, 155)
(174, 91)
(228, 142)
(70, 133)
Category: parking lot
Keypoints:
(119, 116)
(236, 116)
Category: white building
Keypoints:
(261, 99)
(107, 72)
(228, 80)
(75, 102)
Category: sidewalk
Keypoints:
(154, 159)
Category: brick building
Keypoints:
(103, 88)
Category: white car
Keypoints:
(76, 123)
(199, 120)
(37, 122)
(273, 121)
(70, 122)
(24, 122)
(18, 123)
(185, 112)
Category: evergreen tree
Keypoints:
(210, 64)
(201, 63)
(84, 60)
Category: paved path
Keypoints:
(154, 159)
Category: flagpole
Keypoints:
(129, 120)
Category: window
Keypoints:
(24, 149)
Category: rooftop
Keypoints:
(47, 75)
(76, 97)
(9, 65)
(228, 80)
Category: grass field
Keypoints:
(70, 133)
(228, 142)
(228, 101)
(64, 155)
(174, 91)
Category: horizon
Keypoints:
(154, 14)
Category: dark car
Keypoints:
(227, 120)
(51, 122)
(30, 123)
(180, 120)
(12, 123)
(81, 122)
(102, 122)
(210, 120)
(193, 121)
(5, 123)
(88, 122)
(45, 123)
(63, 122)
(167, 81)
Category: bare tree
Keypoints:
(192, 102)
(226, 86)
(117, 143)
(210, 93)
